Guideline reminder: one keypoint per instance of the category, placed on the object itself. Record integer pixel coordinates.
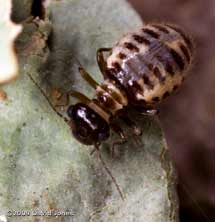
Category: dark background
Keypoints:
(188, 118)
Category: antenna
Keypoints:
(44, 94)
(108, 171)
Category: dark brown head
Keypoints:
(87, 126)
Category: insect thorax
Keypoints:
(108, 99)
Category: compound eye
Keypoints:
(70, 111)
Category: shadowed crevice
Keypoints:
(38, 9)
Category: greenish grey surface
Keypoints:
(42, 166)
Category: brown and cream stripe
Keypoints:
(149, 64)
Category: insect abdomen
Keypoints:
(150, 63)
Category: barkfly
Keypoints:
(142, 69)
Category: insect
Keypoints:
(142, 69)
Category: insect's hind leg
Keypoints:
(145, 111)
(101, 60)
(137, 131)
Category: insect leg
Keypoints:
(137, 131)
(118, 130)
(85, 75)
(151, 112)
(146, 111)
(78, 95)
(101, 60)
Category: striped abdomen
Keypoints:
(150, 63)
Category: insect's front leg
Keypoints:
(80, 96)
(101, 60)
(86, 76)
(123, 139)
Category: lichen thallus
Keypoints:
(142, 69)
